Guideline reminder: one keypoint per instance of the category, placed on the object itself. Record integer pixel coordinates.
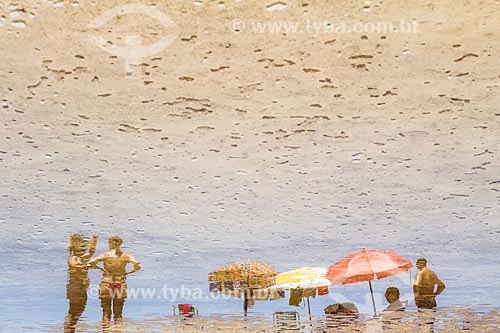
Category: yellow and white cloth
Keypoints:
(305, 277)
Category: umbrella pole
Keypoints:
(373, 300)
(245, 303)
(309, 308)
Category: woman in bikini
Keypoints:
(113, 288)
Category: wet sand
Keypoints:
(454, 319)
(292, 148)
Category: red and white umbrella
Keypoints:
(365, 265)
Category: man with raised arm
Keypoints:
(113, 288)
(78, 280)
(424, 287)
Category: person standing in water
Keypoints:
(78, 280)
(425, 282)
(113, 287)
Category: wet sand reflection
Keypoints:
(452, 319)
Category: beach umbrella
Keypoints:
(365, 265)
(304, 278)
(242, 278)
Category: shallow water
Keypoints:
(177, 259)
(33, 289)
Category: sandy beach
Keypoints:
(207, 132)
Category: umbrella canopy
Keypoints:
(242, 277)
(305, 278)
(365, 265)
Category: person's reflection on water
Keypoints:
(113, 287)
(78, 280)
(391, 316)
(425, 283)
(427, 286)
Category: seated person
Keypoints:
(341, 308)
(340, 315)
(392, 297)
